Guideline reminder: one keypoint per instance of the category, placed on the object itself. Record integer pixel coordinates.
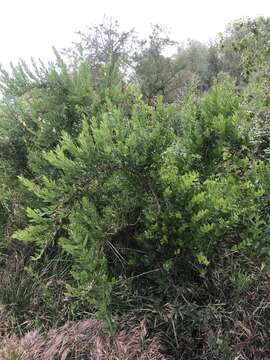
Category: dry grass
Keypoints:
(84, 340)
(225, 316)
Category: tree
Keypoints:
(156, 73)
(104, 44)
(194, 58)
(245, 47)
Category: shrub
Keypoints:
(131, 195)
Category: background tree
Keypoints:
(102, 44)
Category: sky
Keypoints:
(31, 27)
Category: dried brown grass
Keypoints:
(84, 340)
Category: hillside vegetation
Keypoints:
(135, 198)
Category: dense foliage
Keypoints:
(134, 182)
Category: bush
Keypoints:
(130, 195)
(119, 208)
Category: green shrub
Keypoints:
(131, 195)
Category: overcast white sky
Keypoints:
(32, 27)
